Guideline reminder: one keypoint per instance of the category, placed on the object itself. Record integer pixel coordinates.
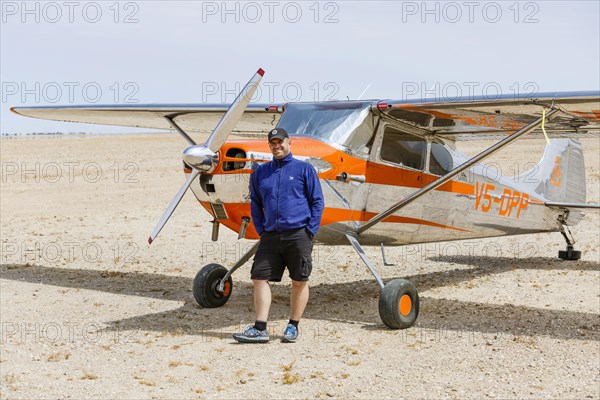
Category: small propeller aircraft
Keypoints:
(389, 170)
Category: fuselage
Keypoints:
(473, 206)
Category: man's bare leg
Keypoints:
(262, 299)
(298, 299)
(262, 302)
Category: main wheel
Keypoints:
(399, 304)
(205, 286)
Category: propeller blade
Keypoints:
(233, 115)
(203, 157)
(173, 205)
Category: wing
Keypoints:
(462, 119)
(195, 118)
(483, 118)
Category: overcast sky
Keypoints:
(136, 52)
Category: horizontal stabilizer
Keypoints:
(575, 206)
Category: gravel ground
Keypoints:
(89, 310)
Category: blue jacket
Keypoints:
(286, 194)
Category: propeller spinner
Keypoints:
(204, 158)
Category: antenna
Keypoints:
(363, 92)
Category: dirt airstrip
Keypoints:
(89, 310)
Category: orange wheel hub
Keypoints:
(405, 305)
(226, 289)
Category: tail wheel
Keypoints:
(205, 286)
(569, 254)
(399, 304)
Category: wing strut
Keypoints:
(357, 247)
(178, 129)
(445, 178)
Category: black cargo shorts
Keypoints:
(277, 250)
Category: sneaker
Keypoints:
(252, 335)
(290, 334)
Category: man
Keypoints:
(286, 205)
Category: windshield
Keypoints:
(349, 123)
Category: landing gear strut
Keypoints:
(399, 299)
(570, 254)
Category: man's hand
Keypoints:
(310, 234)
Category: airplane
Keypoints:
(389, 169)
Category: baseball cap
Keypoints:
(278, 133)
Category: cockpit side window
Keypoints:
(404, 149)
(231, 165)
(440, 162)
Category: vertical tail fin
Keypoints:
(560, 174)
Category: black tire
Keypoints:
(569, 255)
(399, 304)
(205, 286)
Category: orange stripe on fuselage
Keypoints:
(332, 215)
(235, 212)
(302, 146)
(395, 176)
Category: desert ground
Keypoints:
(89, 310)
